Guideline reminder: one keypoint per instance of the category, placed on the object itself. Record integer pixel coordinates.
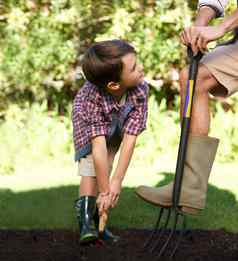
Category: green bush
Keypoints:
(224, 126)
(37, 49)
(41, 43)
(33, 135)
(41, 40)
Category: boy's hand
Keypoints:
(115, 190)
(103, 202)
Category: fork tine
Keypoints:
(162, 250)
(154, 232)
(161, 232)
(181, 233)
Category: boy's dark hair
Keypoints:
(102, 62)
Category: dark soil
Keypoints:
(60, 245)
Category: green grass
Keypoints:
(38, 181)
(43, 198)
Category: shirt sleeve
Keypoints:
(136, 121)
(217, 5)
(94, 119)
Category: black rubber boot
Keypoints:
(107, 234)
(85, 208)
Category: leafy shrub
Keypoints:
(35, 135)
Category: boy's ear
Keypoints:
(113, 86)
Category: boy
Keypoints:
(109, 110)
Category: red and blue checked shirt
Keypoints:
(94, 113)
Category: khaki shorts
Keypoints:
(222, 62)
(86, 165)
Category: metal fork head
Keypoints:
(160, 240)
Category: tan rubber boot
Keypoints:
(200, 156)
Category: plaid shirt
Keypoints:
(94, 110)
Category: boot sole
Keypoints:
(184, 209)
(88, 238)
(190, 211)
(154, 203)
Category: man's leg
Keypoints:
(201, 151)
(221, 64)
(200, 120)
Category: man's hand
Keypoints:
(200, 36)
(115, 190)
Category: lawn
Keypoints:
(42, 196)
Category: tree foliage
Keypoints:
(41, 42)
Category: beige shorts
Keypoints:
(86, 165)
(222, 62)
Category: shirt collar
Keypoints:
(135, 96)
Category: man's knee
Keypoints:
(205, 81)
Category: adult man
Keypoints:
(217, 74)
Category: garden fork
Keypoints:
(173, 214)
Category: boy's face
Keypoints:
(132, 72)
